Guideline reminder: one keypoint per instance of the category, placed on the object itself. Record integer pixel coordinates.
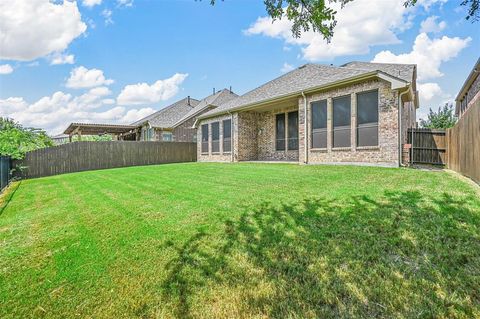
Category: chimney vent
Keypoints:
(213, 90)
(231, 89)
(188, 100)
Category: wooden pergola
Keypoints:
(80, 129)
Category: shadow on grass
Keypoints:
(8, 196)
(397, 255)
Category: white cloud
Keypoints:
(428, 91)
(357, 30)
(107, 14)
(428, 54)
(81, 77)
(142, 93)
(30, 29)
(91, 3)
(61, 58)
(430, 25)
(55, 112)
(6, 69)
(287, 68)
(125, 3)
(426, 4)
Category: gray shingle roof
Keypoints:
(215, 100)
(168, 116)
(310, 76)
(401, 71)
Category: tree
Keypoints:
(444, 118)
(319, 15)
(16, 140)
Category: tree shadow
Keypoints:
(400, 254)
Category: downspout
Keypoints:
(305, 131)
(400, 107)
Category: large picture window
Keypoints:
(341, 121)
(293, 131)
(319, 124)
(227, 135)
(280, 132)
(215, 137)
(367, 118)
(205, 138)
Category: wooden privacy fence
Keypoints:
(464, 144)
(427, 146)
(85, 156)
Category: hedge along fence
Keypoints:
(85, 156)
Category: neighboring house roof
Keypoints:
(467, 84)
(168, 116)
(214, 100)
(312, 76)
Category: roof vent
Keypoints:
(213, 90)
(231, 89)
(188, 100)
(302, 66)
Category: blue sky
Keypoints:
(117, 60)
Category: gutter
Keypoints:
(400, 107)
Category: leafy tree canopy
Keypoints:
(319, 15)
(16, 140)
(443, 118)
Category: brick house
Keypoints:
(356, 113)
(470, 92)
(175, 122)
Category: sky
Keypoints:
(115, 61)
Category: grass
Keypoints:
(241, 240)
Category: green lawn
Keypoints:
(241, 240)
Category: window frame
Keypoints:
(228, 139)
(366, 125)
(288, 138)
(215, 142)
(342, 127)
(167, 134)
(203, 141)
(319, 130)
(284, 133)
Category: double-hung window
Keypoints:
(205, 138)
(319, 124)
(280, 132)
(227, 135)
(167, 137)
(341, 121)
(215, 137)
(367, 118)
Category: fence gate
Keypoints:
(428, 146)
(4, 171)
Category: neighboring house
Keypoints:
(352, 116)
(470, 92)
(60, 139)
(175, 122)
(172, 123)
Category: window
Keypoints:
(215, 137)
(367, 118)
(167, 136)
(280, 132)
(293, 130)
(341, 121)
(205, 138)
(227, 135)
(319, 124)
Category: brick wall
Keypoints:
(221, 156)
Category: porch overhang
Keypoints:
(97, 129)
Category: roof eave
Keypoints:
(471, 77)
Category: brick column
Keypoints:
(301, 130)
